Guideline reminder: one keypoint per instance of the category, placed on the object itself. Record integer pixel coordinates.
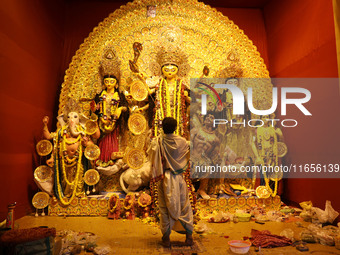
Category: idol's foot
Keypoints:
(203, 194)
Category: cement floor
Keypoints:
(136, 237)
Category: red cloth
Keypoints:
(265, 239)
(108, 144)
(17, 236)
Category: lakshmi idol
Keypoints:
(109, 106)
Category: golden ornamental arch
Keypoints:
(204, 34)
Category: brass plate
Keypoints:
(138, 90)
(44, 147)
(135, 158)
(90, 127)
(281, 149)
(40, 200)
(91, 177)
(92, 152)
(137, 123)
(262, 192)
(43, 173)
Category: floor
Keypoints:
(136, 237)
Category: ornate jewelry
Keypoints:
(90, 127)
(281, 149)
(91, 177)
(262, 192)
(137, 123)
(135, 158)
(40, 200)
(43, 173)
(169, 54)
(44, 147)
(138, 90)
(166, 109)
(110, 64)
(92, 152)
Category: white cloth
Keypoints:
(170, 152)
(170, 160)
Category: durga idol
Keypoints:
(172, 94)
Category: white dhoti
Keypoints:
(170, 160)
(174, 203)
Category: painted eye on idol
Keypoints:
(169, 69)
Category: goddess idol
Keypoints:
(172, 95)
(110, 104)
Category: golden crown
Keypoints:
(110, 65)
(71, 106)
(171, 54)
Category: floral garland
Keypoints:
(70, 162)
(154, 198)
(78, 173)
(164, 105)
(266, 138)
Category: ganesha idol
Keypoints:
(70, 141)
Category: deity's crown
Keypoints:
(110, 65)
(71, 106)
(171, 54)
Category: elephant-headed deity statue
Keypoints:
(69, 140)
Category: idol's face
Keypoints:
(209, 120)
(232, 81)
(169, 71)
(110, 83)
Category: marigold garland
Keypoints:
(264, 135)
(78, 173)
